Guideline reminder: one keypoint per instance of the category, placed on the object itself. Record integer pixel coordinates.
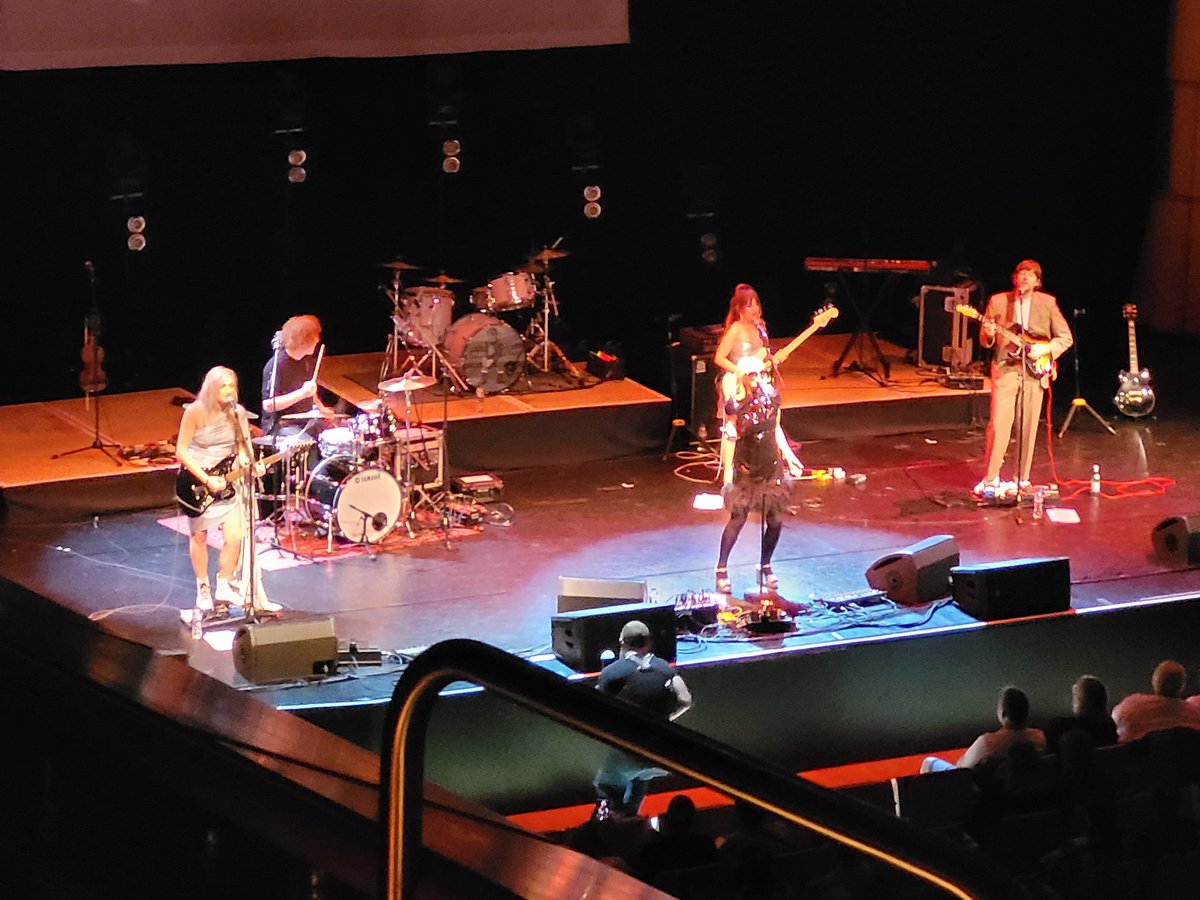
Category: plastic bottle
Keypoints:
(1095, 487)
(197, 628)
(1039, 501)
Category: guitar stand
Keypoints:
(1079, 402)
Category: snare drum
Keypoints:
(357, 502)
(336, 442)
(425, 315)
(512, 290)
(488, 353)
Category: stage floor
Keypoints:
(633, 518)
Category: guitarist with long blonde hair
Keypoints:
(1027, 333)
(210, 433)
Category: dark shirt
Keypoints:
(289, 376)
(647, 685)
(1103, 732)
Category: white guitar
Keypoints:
(821, 318)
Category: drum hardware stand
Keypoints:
(434, 355)
(1079, 402)
(538, 333)
(365, 540)
(92, 355)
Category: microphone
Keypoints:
(277, 340)
(91, 270)
(379, 521)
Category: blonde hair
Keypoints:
(299, 331)
(213, 378)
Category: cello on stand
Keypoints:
(92, 379)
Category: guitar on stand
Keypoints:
(1044, 368)
(1135, 397)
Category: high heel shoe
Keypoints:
(724, 586)
(768, 578)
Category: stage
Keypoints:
(633, 517)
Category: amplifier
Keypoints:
(482, 487)
(424, 447)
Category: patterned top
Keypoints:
(758, 410)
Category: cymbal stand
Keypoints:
(290, 508)
(1078, 402)
(538, 333)
(391, 357)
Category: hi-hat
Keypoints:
(406, 383)
(548, 253)
(443, 278)
(398, 265)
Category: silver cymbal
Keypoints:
(307, 414)
(406, 383)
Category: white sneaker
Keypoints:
(266, 605)
(984, 484)
(204, 600)
(227, 593)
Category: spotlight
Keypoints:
(451, 148)
(591, 193)
(136, 242)
(592, 210)
(297, 157)
(135, 224)
(297, 175)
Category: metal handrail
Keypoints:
(949, 866)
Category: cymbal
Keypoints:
(443, 278)
(370, 406)
(548, 253)
(398, 265)
(406, 383)
(307, 414)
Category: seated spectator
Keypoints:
(747, 856)
(675, 845)
(1140, 714)
(1012, 709)
(1089, 713)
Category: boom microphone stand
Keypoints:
(1078, 402)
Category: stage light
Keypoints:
(708, 239)
(591, 193)
(592, 210)
(135, 224)
(451, 164)
(297, 175)
(136, 242)
(297, 158)
(451, 148)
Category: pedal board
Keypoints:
(482, 487)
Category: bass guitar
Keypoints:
(195, 498)
(1135, 397)
(1044, 368)
(821, 318)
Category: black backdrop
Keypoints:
(979, 133)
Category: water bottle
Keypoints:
(1095, 487)
(197, 629)
(1039, 501)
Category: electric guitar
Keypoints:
(1044, 368)
(821, 318)
(195, 498)
(1135, 397)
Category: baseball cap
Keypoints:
(634, 632)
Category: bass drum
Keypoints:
(489, 354)
(360, 503)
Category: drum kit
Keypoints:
(367, 473)
(482, 352)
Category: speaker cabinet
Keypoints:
(579, 638)
(1177, 540)
(591, 593)
(916, 574)
(1013, 588)
(274, 651)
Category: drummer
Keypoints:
(290, 381)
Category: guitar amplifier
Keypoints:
(942, 340)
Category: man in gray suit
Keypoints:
(1028, 333)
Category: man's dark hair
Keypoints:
(1013, 707)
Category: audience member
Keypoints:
(1089, 713)
(1140, 714)
(1012, 710)
(675, 845)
